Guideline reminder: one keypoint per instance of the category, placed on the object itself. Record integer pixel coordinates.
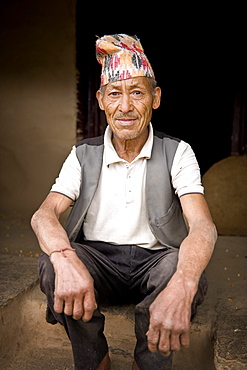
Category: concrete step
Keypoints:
(218, 331)
(39, 345)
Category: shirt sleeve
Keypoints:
(185, 171)
(69, 179)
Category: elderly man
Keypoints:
(126, 240)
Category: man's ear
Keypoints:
(157, 97)
(99, 97)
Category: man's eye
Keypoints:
(114, 93)
(137, 92)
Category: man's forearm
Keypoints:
(45, 223)
(50, 233)
(194, 254)
(196, 249)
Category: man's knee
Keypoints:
(161, 274)
(46, 273)
(158, 278)
(200, 294)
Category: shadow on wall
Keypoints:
(38, 98)
(13, 179)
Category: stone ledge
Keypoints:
(231, 340)
(218, 332)
(17, 274)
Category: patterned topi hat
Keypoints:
(121, 57)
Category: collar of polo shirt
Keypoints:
(111, 156)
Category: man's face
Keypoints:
(128, 106)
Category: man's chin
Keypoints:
(126, 134)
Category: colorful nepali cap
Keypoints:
(121, 57)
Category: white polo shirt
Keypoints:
(118, 212)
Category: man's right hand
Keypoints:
(74, 287)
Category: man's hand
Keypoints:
(74, 288)
(171, 310)
(170, 316)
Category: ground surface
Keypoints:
(47, 347)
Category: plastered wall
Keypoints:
(37, 97)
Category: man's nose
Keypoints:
(125, 104)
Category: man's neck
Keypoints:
(129, 149)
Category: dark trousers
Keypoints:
(122, 274)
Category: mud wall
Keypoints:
(38, 98)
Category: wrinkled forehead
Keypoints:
(129, 84)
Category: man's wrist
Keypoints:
(189, 282)
(62, 251)
(61, 255)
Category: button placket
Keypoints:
(129, 185)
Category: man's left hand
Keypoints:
(170, 316)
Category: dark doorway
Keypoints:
(198, 79)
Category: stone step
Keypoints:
(218, 331)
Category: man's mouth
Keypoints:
(126, 120)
